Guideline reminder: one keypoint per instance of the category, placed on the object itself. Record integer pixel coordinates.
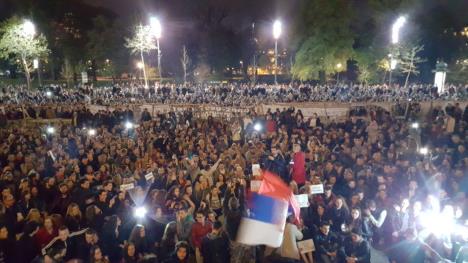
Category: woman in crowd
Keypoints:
(129, 253)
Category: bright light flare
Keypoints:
(91, 132)
(140, 212)
(128, 125)
(424, 150)
(396, 29)
(257, 127)
(29, 28)
(140, 65)
(277, 29)
(156, 28)
(50, 130)
(415, 125)
(48, 94)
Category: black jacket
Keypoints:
(325, 244)
(215, 248)
(361, 251)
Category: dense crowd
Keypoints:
(78, 191)
(229, 94)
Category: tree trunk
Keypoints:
(26, 71)
(144, 69)
(409, 71)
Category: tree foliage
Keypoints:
(185, 61)
(327, 38)
(409, 60)
(17, 44)
(142, 40)
(105, 45)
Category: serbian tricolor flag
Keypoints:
(268, 211)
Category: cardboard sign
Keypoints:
(316, 189)
(306, 246)
(256, 170)
(302, 200)
(255, 185)
(149, 176)
(126, 187)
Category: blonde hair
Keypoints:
(34, 216)
(70, 210)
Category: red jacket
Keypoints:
(271, 126)
(199, 231)
(43, 237)
(298, 168)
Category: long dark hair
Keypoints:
(126, 257)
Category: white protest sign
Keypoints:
(316, 189)
(149, 176)
(302, 200)
(126, 187)
(256, 170)
(255, 185)
(306, 246)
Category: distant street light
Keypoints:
(395, 39)
(276, 34)
(156, 29)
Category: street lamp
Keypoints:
(28, 28)
(397, 25)
(276, 35)
(156, 29)
(396, 29)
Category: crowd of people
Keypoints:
(174, 187)
(235, 94)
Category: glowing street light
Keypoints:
(396, 29)
(415, 125)
(156, 30)
(276, 34)
(277, 28)
(395, 39)
(140, 65)
(29, 28)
